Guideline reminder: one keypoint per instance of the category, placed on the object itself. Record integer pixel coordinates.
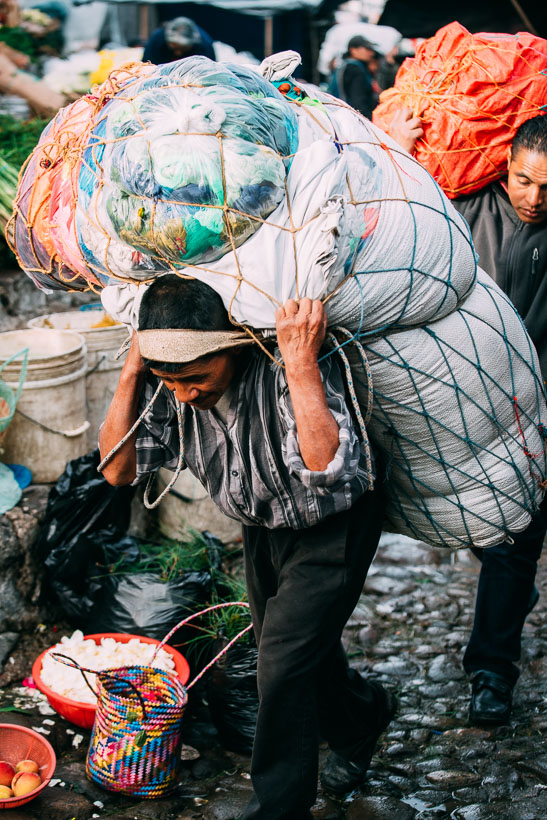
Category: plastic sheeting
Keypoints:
(261, 8)
(232, 694)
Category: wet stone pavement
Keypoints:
(408, 631)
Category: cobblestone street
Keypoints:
(408, 632)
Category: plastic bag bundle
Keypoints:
(175, 164)
(203, 169)
(472, 92)
(184, 165)
(455, 414)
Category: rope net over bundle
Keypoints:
(207, 170)
(455, 413)
(266, 191)
(472, 92)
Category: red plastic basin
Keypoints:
(19, 743)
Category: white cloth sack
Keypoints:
(445, 418)
(444, 375)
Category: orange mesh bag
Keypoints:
(41, 230)
(472, 92)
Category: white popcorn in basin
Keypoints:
(108, 654)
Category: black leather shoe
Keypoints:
(490, 699)
(341, 776)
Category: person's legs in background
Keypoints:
(505, 595)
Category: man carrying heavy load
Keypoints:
(508, 221)
(276, 448)
(178, 38)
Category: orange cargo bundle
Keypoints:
(472, 92)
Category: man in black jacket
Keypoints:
(353, 80)
(508, 221)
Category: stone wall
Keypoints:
(20, 300)
(20, 571)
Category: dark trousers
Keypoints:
(303, 586)
(506, 584)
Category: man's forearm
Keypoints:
(318, 435)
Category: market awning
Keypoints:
(422, 18)
(260, 8)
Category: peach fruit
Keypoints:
(6, 773)
(25, 782)
(5, 792)
(27, 766)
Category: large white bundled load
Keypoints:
(455, 413)
(206, 169)
(266, 193)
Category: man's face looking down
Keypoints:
(201, 383)
(527, 185)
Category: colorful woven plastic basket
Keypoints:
(136, 739)
(137, 734)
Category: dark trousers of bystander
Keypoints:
(504, 594)
(303, 586)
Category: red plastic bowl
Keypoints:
(83, 714)
(19, 743)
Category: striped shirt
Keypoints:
(250, 463)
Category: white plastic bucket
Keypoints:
(50, 426)
(103, 369)
(188, 504)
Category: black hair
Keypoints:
(174, 303)
(531, 136)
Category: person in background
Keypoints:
(353, 80)
(387, 69)
(178, 38)
(391, 62)
(508, 222)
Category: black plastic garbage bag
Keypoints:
(143, 604)
(83, 544)
(233, 696)
(83, 510)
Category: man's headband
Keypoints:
(184, 346)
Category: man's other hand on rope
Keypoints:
(406, 129)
